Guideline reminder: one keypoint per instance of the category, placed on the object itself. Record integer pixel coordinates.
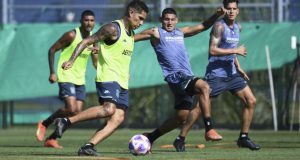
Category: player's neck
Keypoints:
(229, 22)
(84, 33)
(126, 24)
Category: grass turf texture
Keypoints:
(19, 143)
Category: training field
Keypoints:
(19, 143)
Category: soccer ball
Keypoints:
(139, 145)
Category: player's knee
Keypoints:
(196, 110)
(205, 89)
(109, 108)
(119, 119)
(75, 111)
(251, 102)
(182, 119)
(72, 110)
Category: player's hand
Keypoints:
(241, 50)
(94, 50)
(52, 78)
(221, 11)
(67, 65)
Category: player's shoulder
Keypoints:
(110, 26)
(70, 34)
(218, 25)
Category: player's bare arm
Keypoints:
(193, 30)
(240, 70)
(65, 40)
(215, 39)
(95, 59)
(106, 32)
(147, 34)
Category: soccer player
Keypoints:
(71, 82)
(168, 43)
(224, 73)
(116, 47)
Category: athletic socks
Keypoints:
(66, 121)
(52, 136)
(180, 138)
(207, 124)
(154, 135)
(48, 121)
(243, 136)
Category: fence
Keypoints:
(57, 11)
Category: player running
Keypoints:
(71, 82)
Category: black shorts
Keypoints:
(182, 86)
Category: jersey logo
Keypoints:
(127, 53)
(106, 92)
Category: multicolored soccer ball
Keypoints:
(139, 145)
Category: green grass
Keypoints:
(19, 143)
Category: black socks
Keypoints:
(243, 136)
(180, 138)
(154, 135)
(66, 121)
(207, 124)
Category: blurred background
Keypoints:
(29, 28)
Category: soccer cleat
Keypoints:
(61, 126)
(40, 132)
(212, 135)
(247, 143)
(87, 150)
(52, 143)
(179, 145)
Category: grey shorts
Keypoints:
(232, 84)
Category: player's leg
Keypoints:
(95, 112)
(67, 93)
(191, 119)
(183, 105)
(193, 115)
(204, 99)
(108, 93)
(111, 125)
(170, 124)
(114, 121)
(73, 105)
(249, 101)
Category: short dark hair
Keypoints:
(87, 13)
(168, 11)
(226, 2)
(138, 5)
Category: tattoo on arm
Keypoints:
(79, 48)
(216, 35)
(106, 32)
